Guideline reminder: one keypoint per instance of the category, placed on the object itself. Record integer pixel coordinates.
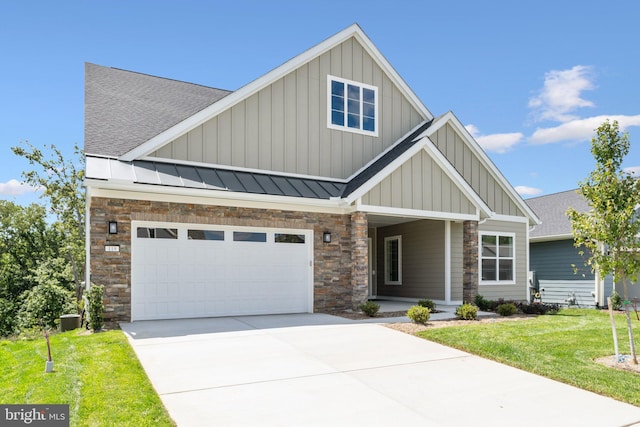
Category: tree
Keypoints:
(29, 257)
(62, 182)
(610, 230)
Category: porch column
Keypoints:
(359, 259)
(470, 261)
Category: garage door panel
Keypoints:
(173, 278)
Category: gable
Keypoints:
(283, 126)
(474, 171)
(420, 184)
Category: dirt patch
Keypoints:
(625, 364)
(353, 315)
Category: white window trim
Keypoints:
(497, 281)
(386, 265)
(345, 127)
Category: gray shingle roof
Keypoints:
(124, 109)
(551, 210)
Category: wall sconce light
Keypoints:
(113, 227)
(326, 237)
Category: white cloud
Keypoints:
(579, 129)
(16, 188)
(633, 170)
(561, 94)
(527, 191)
(497, 142)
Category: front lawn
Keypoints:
(98, 375)
(561, 346)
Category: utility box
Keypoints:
(69, 322)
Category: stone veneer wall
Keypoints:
(359, 259)
(470, 261)
(333, 287)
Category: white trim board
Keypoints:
(246, 91)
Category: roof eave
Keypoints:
(190, 123)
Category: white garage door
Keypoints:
(187, 270)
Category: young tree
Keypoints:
(610, 230)
(62, 182)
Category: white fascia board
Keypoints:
(212, 197)
(388, 68)
(375, 180)
(449, 117)
(275, 74)
(434, 153)
(415, 213)
(453, 174)
(389, 148)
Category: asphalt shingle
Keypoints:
(124, 109)
(552, 208)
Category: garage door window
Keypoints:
(289, 238)
(157, 233)
(205, 235)
(243, 236)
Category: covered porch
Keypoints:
(411, 258)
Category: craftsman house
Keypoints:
(321, 184)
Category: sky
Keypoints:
(531, 81)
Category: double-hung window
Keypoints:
(352, 106)
(497, 260)
(393, 260)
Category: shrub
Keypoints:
(616, 301)
(419, 314)
(467, 312)
(427, 303)
(370, 308)
(539, 308)
(482, 303)
(46, 302)
(506, 309)
(96, 307)
(7, 318)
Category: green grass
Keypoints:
(98, 375)
(561, 346)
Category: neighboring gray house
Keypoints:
(558, 270)
(318, 185)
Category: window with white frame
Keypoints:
(352, 106)
(393, 260)
(497, 261)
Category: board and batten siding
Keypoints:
(520, 289)
(555, 260)
(422, 260)
(462, 157)
(283, 127)
(422, 185)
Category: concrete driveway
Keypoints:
(320, 370)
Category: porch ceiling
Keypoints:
(386, 220)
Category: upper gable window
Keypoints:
(352, 106)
